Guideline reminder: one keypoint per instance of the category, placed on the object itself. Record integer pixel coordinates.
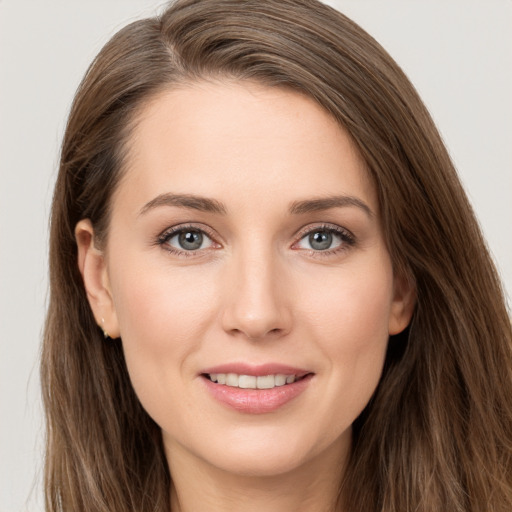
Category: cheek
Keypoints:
(153, 301)
(353, 309)
(350, 322)
(162, 317)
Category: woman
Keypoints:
(268, 289)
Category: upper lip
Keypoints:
(256, 370)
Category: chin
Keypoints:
(259, 463)
(272, 454)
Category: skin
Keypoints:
(256, 291)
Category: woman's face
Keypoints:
(245, 247)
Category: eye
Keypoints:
(320, 240)
(186, 239)
(325, 239)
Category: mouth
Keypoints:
(256, 389)
(271, 381)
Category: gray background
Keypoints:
(457, 53)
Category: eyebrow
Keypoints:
(205, 204)
(190, 201)
(326, 203)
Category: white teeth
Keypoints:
(280, 380)
(266, 382)
(232, 380)
(250, 381)
(247, 381)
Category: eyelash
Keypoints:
(168, 234)
(347, 239)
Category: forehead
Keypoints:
(254, 141)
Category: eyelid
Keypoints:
(326, 226)
(172, 231)
(348, 239)
(347, 236)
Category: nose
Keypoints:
(257, 303)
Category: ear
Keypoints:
(402, 307)
(93, 267)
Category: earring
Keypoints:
(105, 333)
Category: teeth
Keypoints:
(247, 381)
(280, 380)
(250, 381)
(232, 380)
(266, 382)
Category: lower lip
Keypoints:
(256, 401)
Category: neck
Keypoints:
(199, 486)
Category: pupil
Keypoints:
(321, 240)
(191, 240)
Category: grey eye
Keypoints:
(320, 240)
(189, 240)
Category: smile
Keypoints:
(251, 381)
(255, 389)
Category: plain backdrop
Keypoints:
(457, 53)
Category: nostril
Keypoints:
(270, 333)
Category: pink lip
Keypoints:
(256, 401)
(257, 370)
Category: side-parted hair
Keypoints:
(437, 434)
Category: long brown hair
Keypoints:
(437, 434)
